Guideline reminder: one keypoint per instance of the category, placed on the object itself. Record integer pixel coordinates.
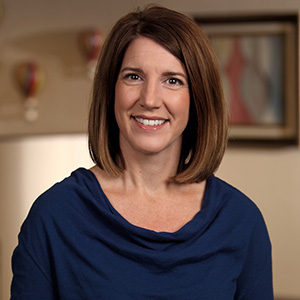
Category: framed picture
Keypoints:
(258, 60)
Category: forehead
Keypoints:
(147, 52)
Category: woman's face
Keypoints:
(151, 99)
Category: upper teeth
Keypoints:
(148, 122)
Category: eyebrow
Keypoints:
(131, 70)
(175, 74)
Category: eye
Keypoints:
(132, 77)
(174, 81)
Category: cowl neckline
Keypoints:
(152, 239)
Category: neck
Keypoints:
(149, 173)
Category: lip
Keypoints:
(149, 117)
(149, 128)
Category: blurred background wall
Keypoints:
(32, 163)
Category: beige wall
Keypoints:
(271, 177)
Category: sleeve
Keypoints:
(31, 261)
(255, 280)
(29, 279)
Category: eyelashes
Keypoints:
(132, 77)
(135, 78)
(174, 81)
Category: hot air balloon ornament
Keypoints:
(30, 78)
(90, 42)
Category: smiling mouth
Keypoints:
(148, 122)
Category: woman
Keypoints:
(149, 220)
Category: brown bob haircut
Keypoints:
(205, 137)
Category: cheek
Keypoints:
(118, 96)
(182, 107)
(123, 97)
(118, 103)
(123, 103)
(120, 99)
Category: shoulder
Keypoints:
(62, 209)
(70, 193)
(226, 195)
(55, 222)
(234, 211)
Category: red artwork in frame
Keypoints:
(258, 62)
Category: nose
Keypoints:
(150, 96)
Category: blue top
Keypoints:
(75, 246)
